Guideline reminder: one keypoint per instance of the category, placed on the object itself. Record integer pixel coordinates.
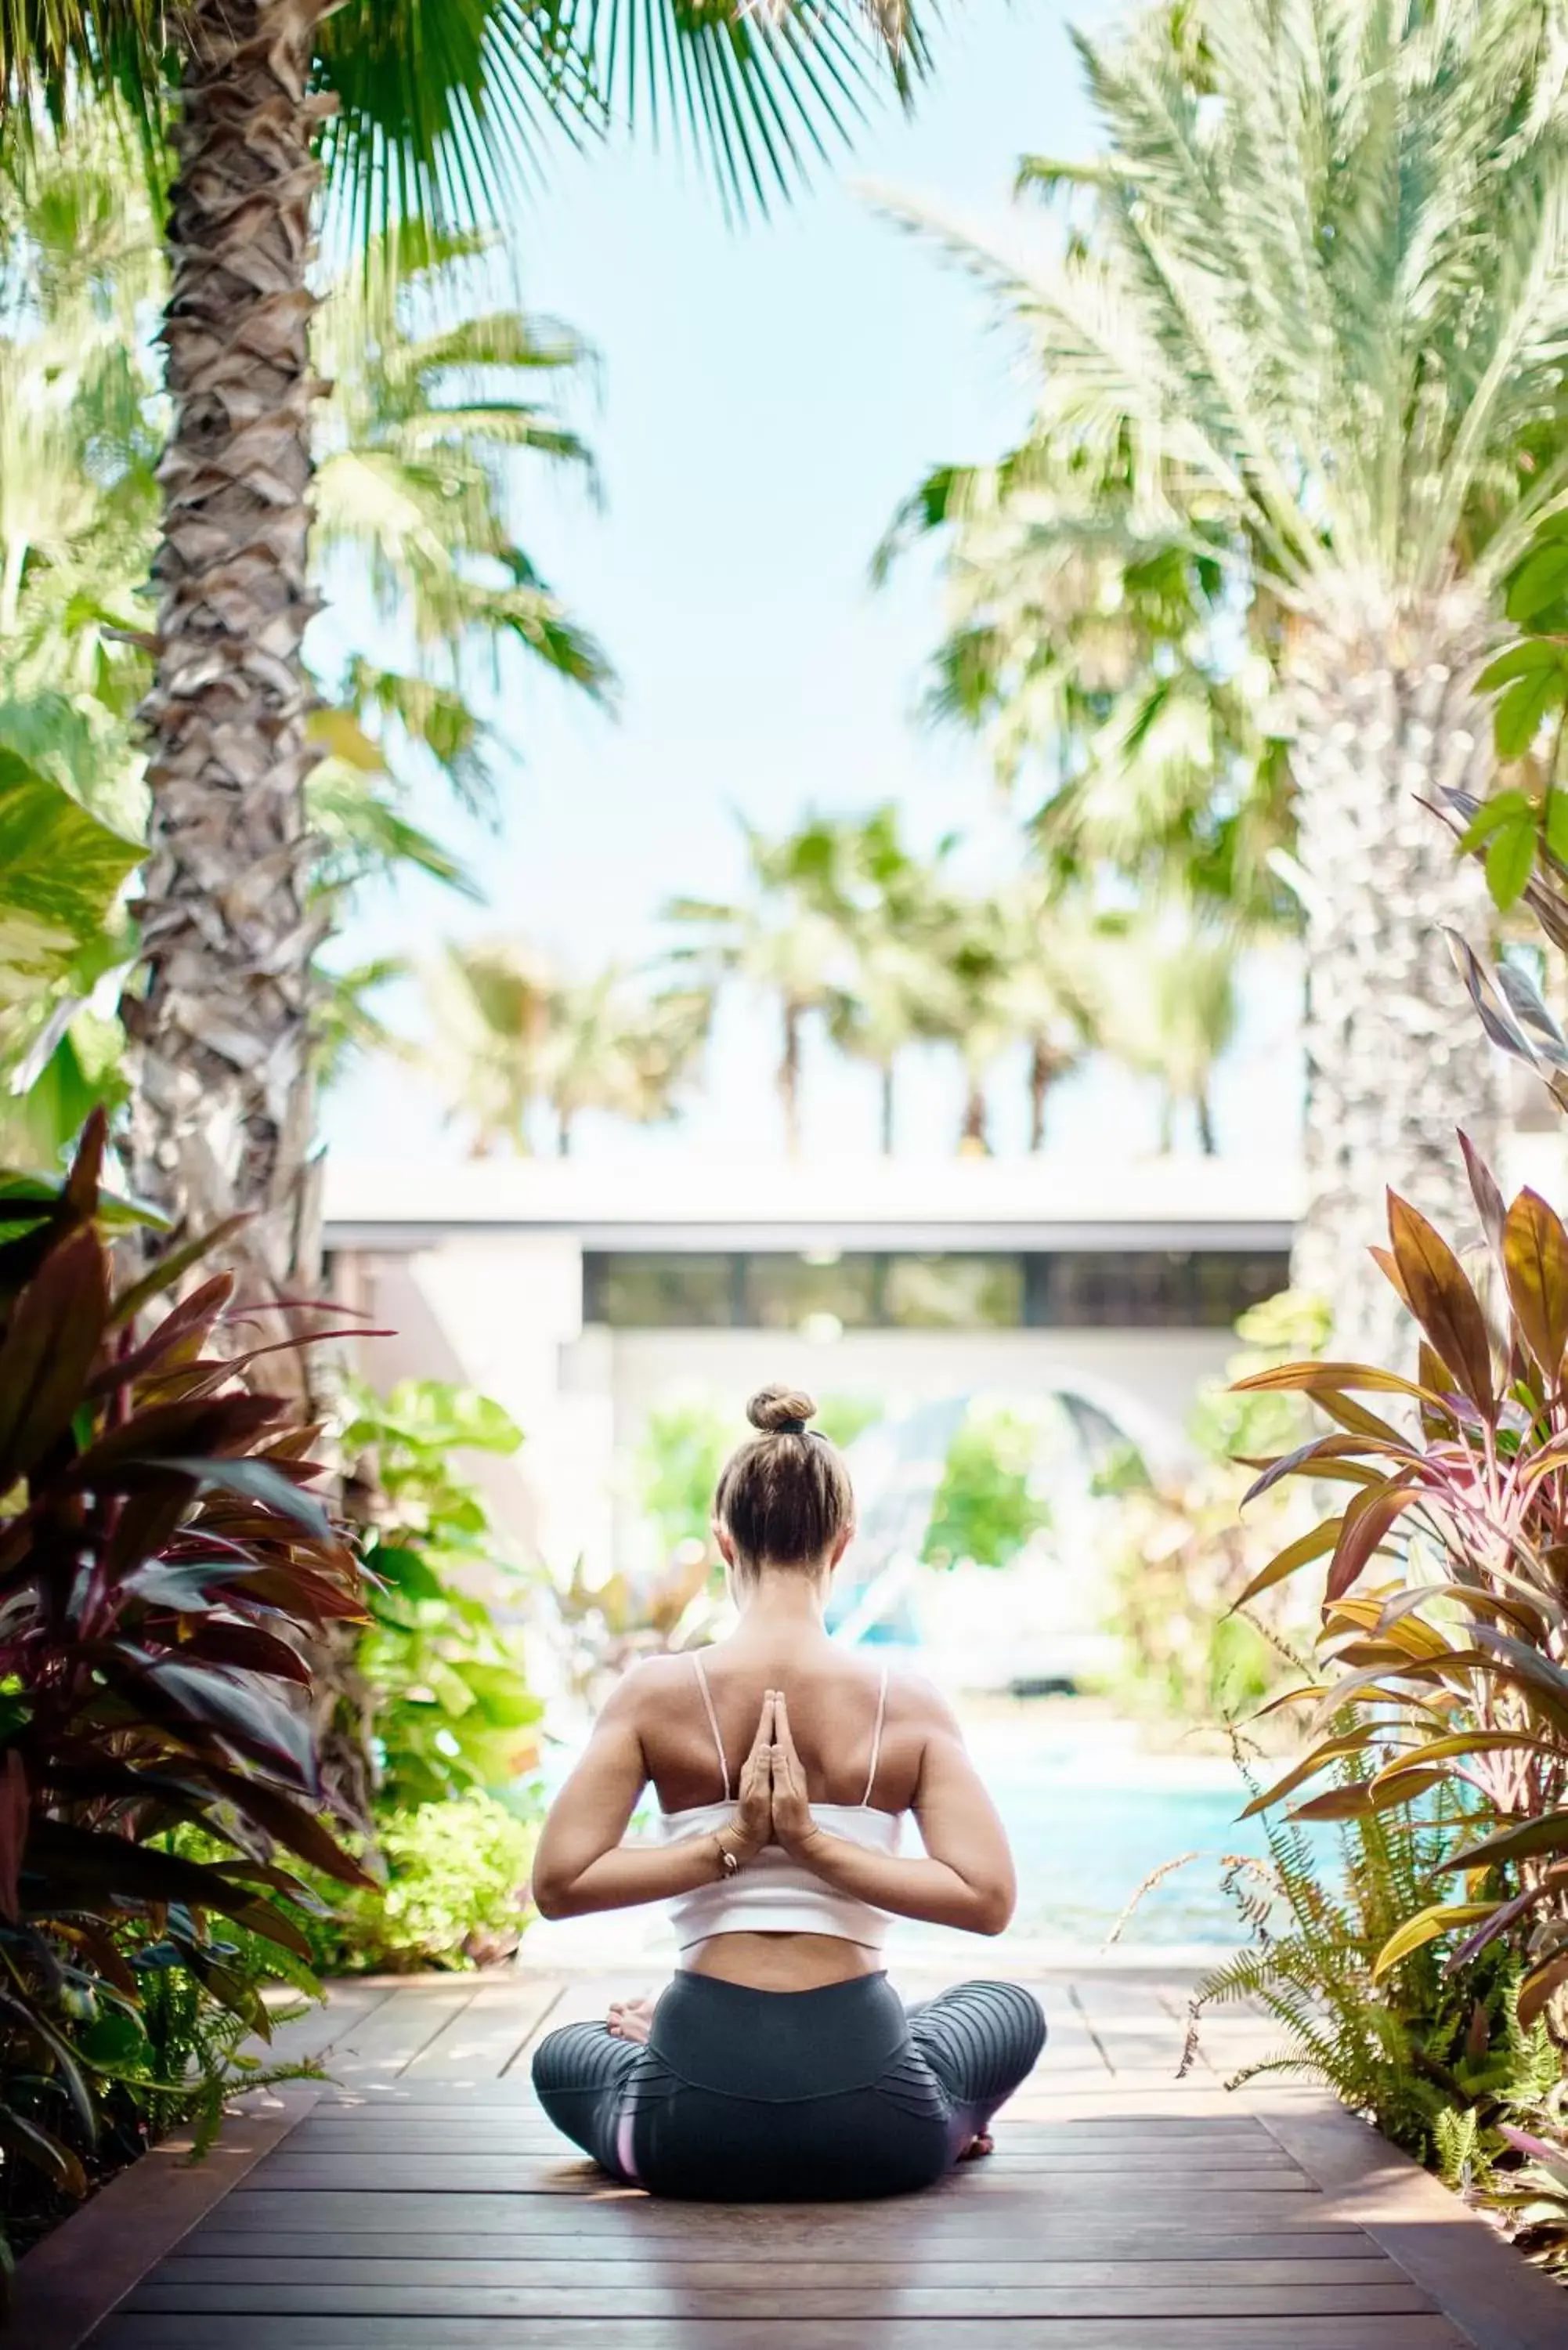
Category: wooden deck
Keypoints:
(423, 2202)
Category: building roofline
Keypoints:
(968, 1205)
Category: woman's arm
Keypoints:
(581, 1863)
(966, 1878)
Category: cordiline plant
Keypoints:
(162, 1569)
(1458, 1660)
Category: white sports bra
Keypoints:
(774, 1894)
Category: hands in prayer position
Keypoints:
(772, 1806)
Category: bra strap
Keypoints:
(713, 1718)
(876, 1742)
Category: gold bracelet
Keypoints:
(729, 1862)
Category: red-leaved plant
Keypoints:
(163, 1569)
(1461, 1659)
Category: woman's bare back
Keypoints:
(834, 1698)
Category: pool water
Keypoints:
(1089, 1814)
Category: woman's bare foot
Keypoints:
(982, 2145)
(630, 2019)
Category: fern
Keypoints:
(1435, 2058)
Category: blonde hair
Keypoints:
(785, 1496)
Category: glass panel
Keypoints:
(955, 1293)
(659, 1292)
(784, 1293)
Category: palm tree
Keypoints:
(897, 991)
(1047, 988)
(492, 1005)
(1306, 329)
(1170, 1009)
(516, 1035)
(412, 505)
(789, 940)
(612, 1047)
(413, 108)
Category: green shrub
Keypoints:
(455, 1893)
(1429, 2047)
(987, 1507)
(451, 1709)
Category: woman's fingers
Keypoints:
(764, 1738)
(783, 1736)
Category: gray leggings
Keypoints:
(746, 2095)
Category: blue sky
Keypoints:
(764, 398)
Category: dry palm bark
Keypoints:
(1386, 722)
(223, 1105)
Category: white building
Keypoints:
(579, 1296)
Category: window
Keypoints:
(1060, 1289)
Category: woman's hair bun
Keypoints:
(777, 1410)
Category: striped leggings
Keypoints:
(746, 2095)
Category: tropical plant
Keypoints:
(1170, 1009)
(1178, 1553)
(516, 1035)
(896, 990)
(1468, 1643)
(1434, 2053)
(789, 940)
(455, 1893)
(988, 1506)
(435, 396)
(1347, 408)
(63, 926)
(421, 114)
(675, 1467)
(450, 1710)
(163, 1566)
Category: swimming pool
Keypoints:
(1090, 1816)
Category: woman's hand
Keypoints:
(752, 1825)
(793, 1825)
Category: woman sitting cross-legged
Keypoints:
(779, 2063)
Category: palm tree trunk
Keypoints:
(973, 1141)
(1396, 1057)
(887, 1107)
(222, 1108)
(1043, 1069)
(789, 1078)
(1204, 1108)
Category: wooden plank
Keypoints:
(914, 2218)
(826, 2243)
(554, 2174)
(1486, 2286)
(349, 2005)
(802, 2298)
(77, 2274)
(353, 2156)
(586, 2000)
(482, 2039)
(382, 2044)
(556, 2268)
(280, 2331)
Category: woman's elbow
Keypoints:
(993, 1909)
(551, 1892)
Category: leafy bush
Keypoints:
(987, 1507)
(1433, 2053)
(1466, 1645)
(450, 1706)
(163, 1570)
(455, 1893)
(1180, 1554)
